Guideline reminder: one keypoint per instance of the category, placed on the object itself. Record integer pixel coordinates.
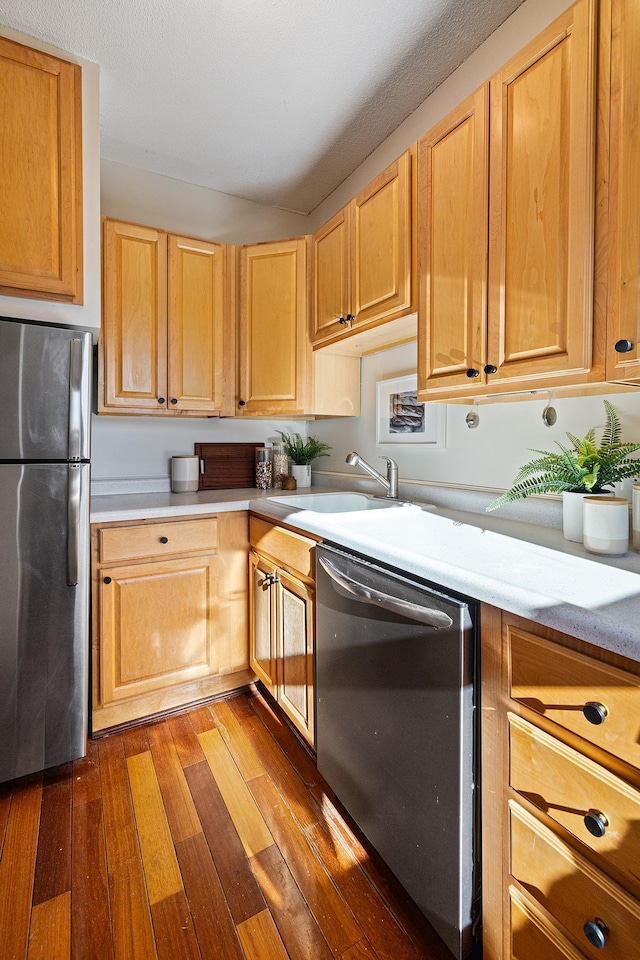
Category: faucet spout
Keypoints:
(390, 482)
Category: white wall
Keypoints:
(88, 313)
(488, 456)
(149, 198)
(141, 447)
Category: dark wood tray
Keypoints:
(227, 465)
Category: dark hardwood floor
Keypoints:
(206, 836)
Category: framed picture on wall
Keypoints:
(400, 418)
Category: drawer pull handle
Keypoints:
(596, 823)
(164, 539)
(595, 931)
(595, 713)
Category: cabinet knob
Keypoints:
(623, 346)
(161, 400)
(595, 713)
(164, 539)
(594, 931)
(107, 580)
(174, 400)
(596, 823)
(489, 368)
(343, 320)
(350, 318)
(472, 372)
(242, 403)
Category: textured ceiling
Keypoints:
(277, 101)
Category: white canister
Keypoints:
(635, 512)
(185, 474)
(606, 525)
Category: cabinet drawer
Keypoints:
(532, 937)
(291, 550)
(568, 787)
(558, 683)
(571, 889)
(119, 544)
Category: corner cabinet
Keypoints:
(561, 795)
(513, 311)
(274, 359)
(362, 257)
(281, 601)
(170, 614)
(166, 345)
(278, 375)
(41, 183)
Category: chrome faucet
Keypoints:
(390, 482)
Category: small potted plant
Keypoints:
(303, 453)
(584, 468)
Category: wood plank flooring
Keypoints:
(206, 836)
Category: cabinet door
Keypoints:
(624, 197)
(41, 183)
(331, 277)
(263, 620)
(133, 339)
(381, 245)
(156, 626)
(295, 653)
(274, 346)
(453, 167)
(542, 205)
(195, 324)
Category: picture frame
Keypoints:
(401, 418)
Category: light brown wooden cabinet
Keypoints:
(278, 375)
(41, 181)
(506, 276)
(274, 359)
(166, 345)
(362, 258)
(623, 332)
(170, 614)
(561, 795)
(281, 601)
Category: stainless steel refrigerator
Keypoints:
(45, 413)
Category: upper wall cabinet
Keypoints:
(623, 340)
(273, 357)
(165, 346)
(41, 175)
(362, 258)
(530, 245)
(278, 374)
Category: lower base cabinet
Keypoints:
(170, 614)
(561, 795)
(281, 601)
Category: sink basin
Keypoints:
(336, 502)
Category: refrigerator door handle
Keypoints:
(73, 523)
(76, 424)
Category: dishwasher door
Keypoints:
(395, 718)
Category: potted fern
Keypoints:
(303, 453)
(583, 468)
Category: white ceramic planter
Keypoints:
(572, 510)
(302, 473)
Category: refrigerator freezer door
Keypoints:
(44, 622)
(44, 392)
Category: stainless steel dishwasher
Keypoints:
(395, 730)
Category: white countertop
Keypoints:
(527, 569)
